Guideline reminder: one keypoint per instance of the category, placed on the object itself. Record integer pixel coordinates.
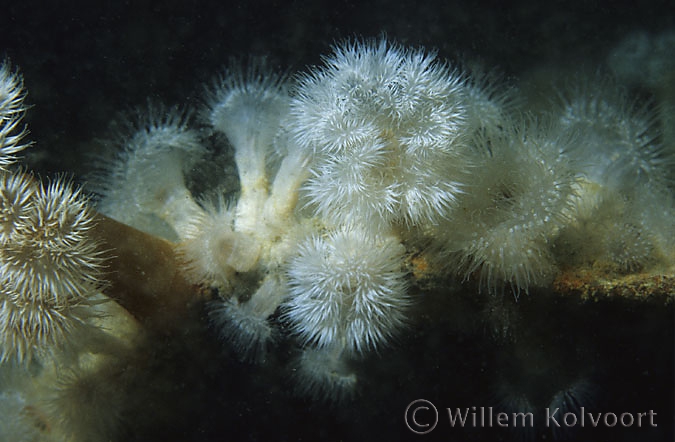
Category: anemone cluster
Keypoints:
(52, 274)
(344, 190)
(49, 266)
(345, 171)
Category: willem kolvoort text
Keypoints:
(487, 417)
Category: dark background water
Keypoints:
(83, 62)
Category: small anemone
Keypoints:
(247, 105)
(349, 286)
(323, 374)
(245, 324)
(144, 184)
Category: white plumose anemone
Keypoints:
(144, 186)
(324, 374)
(347, 287)
(621, 215)
(619, 138)
(517, 202)
(12, 110)
(386, 126)
(246, 324)
(49, 266)
(247, 106)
